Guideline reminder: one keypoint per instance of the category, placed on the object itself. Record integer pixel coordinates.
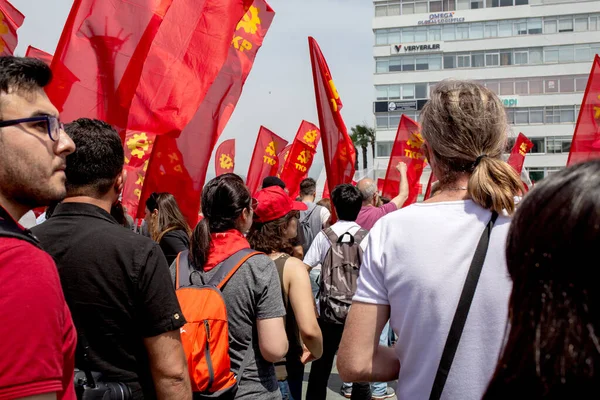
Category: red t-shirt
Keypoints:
(37, 335)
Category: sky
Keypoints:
(279, 92)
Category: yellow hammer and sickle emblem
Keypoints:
(225, 161)
(304, 157)
(250, 21)
(336, 95)
(310, 136)
(270, 150)
(416, 140)
(138, 145)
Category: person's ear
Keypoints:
(155, 212)
(120, 181)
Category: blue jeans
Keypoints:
(378, 388)
(285, 390)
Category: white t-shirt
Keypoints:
(417, 261)
(320, 246)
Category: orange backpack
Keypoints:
(205, 336)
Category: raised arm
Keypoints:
(403, 193)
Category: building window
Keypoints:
(551, 55)
(536, 115)
(536, 86)
(448, 32)
(557, 145)
(521, 57)
(520, 27)
(580, 84)
(505, 28)
(536, 174)
(551, 85)
(478, 60)
(550, 26)
(492, 60)
(507, 88)
(581, 24)
(491, 29)
(463, 61)
(534, 26)
(565, 25)
(539, 145)
(449, 62)
(521, 87)
(476, 31)
(384, 149)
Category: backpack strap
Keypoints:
(360, 235)
(182, 269)
(462, 311)
(333, 238)
(311, 208)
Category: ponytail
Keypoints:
(494, 184)
(200, 244)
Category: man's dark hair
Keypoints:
(347, 201)
(23, 74)
(97, 160)
(308, 187)
(272, 181)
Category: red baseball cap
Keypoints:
(274, 203)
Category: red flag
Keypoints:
(282, 158)
(338, 150)
(10, 20)
(197, 141)
(326, 191)
(264, 160)
(432, 179)
(301, 156)
(519, 150)
(407, 148)
(138, 148)
(34, 52)
(225, 157)
(586, 139)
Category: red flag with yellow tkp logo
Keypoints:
(10, 20)
(265, 160)
(283, 158)
(519, 150)
(300, 157)
(138, 148)
(225, 157)
(586, 139)
(408, 148)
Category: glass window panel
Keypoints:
(462, 31)
(475, 4)
(476, 31)
(506, 58)
(393, 9)
(551, 55)
(538, 147)
(534, 26)
(382, 121)
(521, 2)
(521, 58)
(394, 91)
(510, 115)
(566, 54)
(380, 11)
(395, 65)
(449, 62)
(435, 33)
(567, 115)
(435, 6)
(394, 36)
(408, 91)
(565, 145)
(582, 53)
(492, 3)
(565, 24)
(381, 92)
(505, 28)
(422, 63)
(449, 5)
(381, 38)
(593, 23)
(492, 59)
(551, 85)
(463, 61)
(506, 3)
(421, 7)
(522, 87)
(550, 26)
(535, 55)
(580, 84)
(435, 62)
(494, 86)
(421, 34)
(594, 49)
(382, 66)
(408, 63)
(520, 27)
(521, 116)
(408, 8)
(507, 88)
(491, 29)
(408, 35)
(448, 32)
(536, 86)
(536, 115)
(567, 85)
(384, 149)
(394, 121)
(420, 90)
(581, 24)
(477, 60)
(463, 4)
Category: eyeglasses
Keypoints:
(253, 204)
(53, 124)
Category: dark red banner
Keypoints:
(11, 19)
(408, 149)
(265, 161)
(300, 157)
(519, 150)
(225, 157)
(34, 52)
(586, 139)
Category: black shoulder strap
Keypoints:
(10, 230)
(223, 274)
(462, 311)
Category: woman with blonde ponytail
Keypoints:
(418, 259)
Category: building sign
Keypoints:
(510, 102)
(399, 106)
(442, 18)
(416, 48)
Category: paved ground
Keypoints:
(333, 390)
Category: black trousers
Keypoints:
(295, 376)
(320, 369)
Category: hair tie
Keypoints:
(478, 160)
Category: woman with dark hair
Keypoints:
(166, 224)
(252, 295)
(553, 347)
(420, 259)
(275, 224)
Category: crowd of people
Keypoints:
(466, 295)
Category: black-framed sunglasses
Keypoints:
(53, 124)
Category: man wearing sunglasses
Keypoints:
(37, 336)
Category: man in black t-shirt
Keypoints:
(115, 281)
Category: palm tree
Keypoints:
(362, 136)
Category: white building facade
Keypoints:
(535, 54)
